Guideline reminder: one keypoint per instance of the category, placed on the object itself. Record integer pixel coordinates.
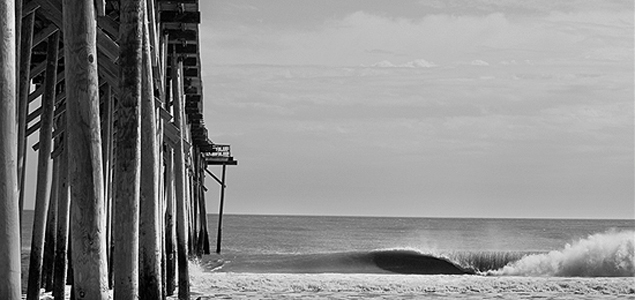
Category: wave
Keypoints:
(610, 254)
(399, 261)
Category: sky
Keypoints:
(431, 108)
(422, 108)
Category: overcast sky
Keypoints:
(423, 108)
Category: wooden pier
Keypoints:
(112, 90)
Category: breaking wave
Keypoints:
(610, 254)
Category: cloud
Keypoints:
(419, 63)
(383, 64)
(360, 37)
(479, 62)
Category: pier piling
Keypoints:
(10, 285)
(118, 101)
(84, 151)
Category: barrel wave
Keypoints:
(398, 261)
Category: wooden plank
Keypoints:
(107, 46)
(108, 25)
(168, 16)
(179, 34)
(38, 69)
(43, 34)
(108, 71)
(56, 133)
(28, 8)
(61, 108)
(38, 92)
(171, 133)
(165, 115)
(52, 10)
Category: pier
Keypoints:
(111, 92)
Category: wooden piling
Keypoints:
(219, 235)
(63, 210)
(107, 144)
(170, 226)
(24, 82)
(43, 188)
(150, 283)
(51, 224)
(10, 285)
(127, 168)
(180, 177)
(84, 151)
(203, 235)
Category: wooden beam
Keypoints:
(61, 108)
(38, 92)
(44, 34)
(52, 10)
(37, 70)
(29, 8)
(107, 24)
(107, 45)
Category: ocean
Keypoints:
(322, 257)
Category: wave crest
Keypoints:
(610, 254)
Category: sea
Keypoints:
(327, 257)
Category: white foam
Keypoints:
(610, 254)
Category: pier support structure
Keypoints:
(121, 96)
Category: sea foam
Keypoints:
(610, 254)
